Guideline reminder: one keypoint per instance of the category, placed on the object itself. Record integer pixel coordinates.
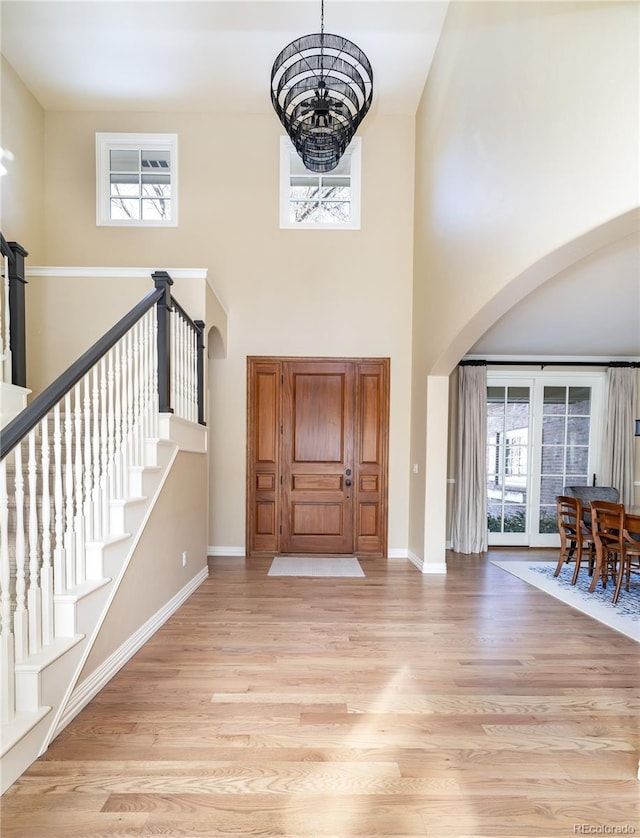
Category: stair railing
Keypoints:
(69, 455)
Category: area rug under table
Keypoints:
(624, 616)
(315, 566)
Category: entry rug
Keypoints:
(624, 616)
(316, 566)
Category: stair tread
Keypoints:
(48, 654)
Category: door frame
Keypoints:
(536, 381)
(265, 445)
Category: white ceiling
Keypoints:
(215, 55)
(205, 55)
(591, 309)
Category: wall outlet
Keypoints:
(184, 559)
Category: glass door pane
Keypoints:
(507, 463)
(566, 430)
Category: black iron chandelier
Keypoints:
(321, 89)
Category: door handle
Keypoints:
(347, 483)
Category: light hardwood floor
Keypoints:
(394, 705)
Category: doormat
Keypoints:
(624, 616)
(316, 566)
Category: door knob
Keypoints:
(347, 483)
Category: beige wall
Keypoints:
(158, 556)
(21, 189)
(527, 138)
(285, 292)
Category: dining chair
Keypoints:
(607, 526)
(573, 536)
(630, 562)
(586, 494)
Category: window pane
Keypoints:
(580, 401)
(305, 182)
(548, 519)
(515, 518)
(554, 400)
(304, 211)
(160, 160)
(159, 185)
(552, 459)
(336, 211)
(305, 193)
(553, 430)
(578, 431)
(577, 459)
(550, 488)
(494, 516)
(515, 463)
(576, 480)
(123, 208)
(156, 209)
(125, 185)
(124, 161)
(336, 193)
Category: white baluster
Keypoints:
(59, 557)
(155, 399)
(20, 621)
(7, 657)
(97, 497)
(130, 460)
(117, 421)
(104, 471)
(178, 324)
(34, 600)
(193, 367)
(69, 539)
(46, 571)
(137, 401)
(87, 512)
(111, 446)
(124, 415)
(78, 521)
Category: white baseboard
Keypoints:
(427, 567)
(225, 551)
(92, 685)
(397, 553)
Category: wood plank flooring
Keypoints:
(394, 705)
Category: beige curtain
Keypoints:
(469, 531)
(618, 436)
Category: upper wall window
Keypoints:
(137, 179)
(310, 200)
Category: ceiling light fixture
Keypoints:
(321, 89)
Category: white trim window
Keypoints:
(314, 201)
(137, 180)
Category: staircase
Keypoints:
(81, 470)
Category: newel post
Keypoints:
(199, 324)
(17, 322)
(163, 281)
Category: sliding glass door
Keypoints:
(543, 433)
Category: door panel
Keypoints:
(372, 400)
(263, 445)
(317, 451)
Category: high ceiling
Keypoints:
(204, 55)
(212, 55)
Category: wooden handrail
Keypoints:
(42, 404)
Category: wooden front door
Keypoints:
(317, 456)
